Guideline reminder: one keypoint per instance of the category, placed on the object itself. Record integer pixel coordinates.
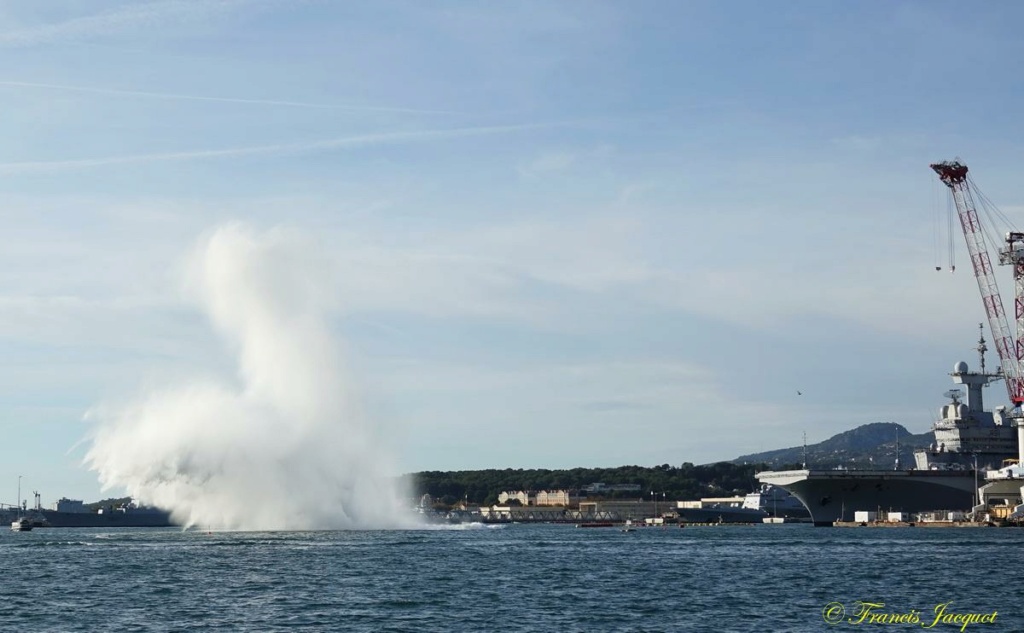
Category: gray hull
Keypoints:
(834, 495)
(113, 519)
(150, 518)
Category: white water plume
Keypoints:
(285, 447)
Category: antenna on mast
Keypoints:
(981, 346)
(805, 450)
(897, 446)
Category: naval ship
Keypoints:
(968, 441)
(770, 504)
(73, 513)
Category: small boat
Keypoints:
(628, 526)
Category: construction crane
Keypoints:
(1011, 350)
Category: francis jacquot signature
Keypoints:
(942, 615)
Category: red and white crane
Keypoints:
(1011, 350)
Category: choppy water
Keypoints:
(509, 578)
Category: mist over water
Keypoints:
(281, 447)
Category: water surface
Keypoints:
(509, 578)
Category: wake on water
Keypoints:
(283, 448)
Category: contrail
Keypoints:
(131, 17)
(284, 148)
(181, 97)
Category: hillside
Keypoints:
(867, 446)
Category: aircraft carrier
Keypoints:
(968, 439)
(945, 476)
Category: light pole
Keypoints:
(977, 492)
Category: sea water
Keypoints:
(509, 578)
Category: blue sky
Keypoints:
(561, 233)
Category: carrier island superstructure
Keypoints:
(969, 441)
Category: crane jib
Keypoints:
(1011, 350)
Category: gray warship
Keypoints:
(967, 441)
(769, 504)
(73, 513)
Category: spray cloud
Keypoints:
(285, 447)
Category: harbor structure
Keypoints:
(540, 497)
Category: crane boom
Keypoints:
(1011, 351)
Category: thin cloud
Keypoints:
(551, 162)
(613, 406)
(276, 149)
(125, 18)
(181, 97)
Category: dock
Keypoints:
(920, 524)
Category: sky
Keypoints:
(558, 234)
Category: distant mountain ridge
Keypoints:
(867, 446)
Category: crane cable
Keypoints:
(993, 224)
(951, 214)
(997, 218)
(936, 219)
(938, 189)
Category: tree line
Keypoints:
(674, 483)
